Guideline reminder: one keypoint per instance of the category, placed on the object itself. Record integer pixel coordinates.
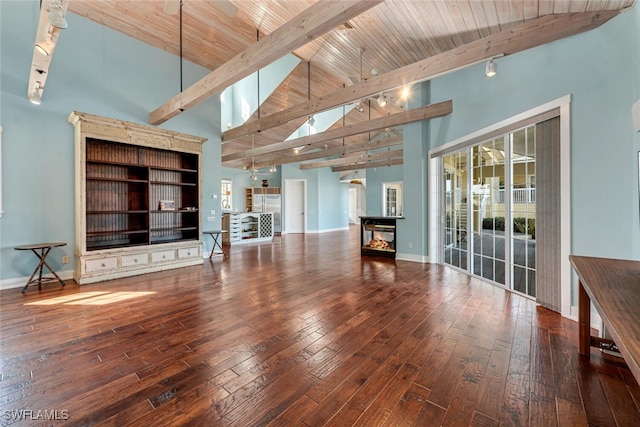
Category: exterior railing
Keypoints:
(520, 195)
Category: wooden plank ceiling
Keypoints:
(387, 37)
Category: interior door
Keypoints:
(294, 205)
(353, 205)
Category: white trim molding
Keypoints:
(1, 211)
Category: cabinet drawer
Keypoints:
(163, 256)
(188, 252)
(136, 259)
(102, 264)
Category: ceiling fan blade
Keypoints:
(226, 7)
(171, 7)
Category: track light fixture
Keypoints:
(35, 96)
(312, 120)
(46, 45)
(491, 69)
(56, 15)
(43, 48)
(273, 169)
(382, 100)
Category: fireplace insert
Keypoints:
(378, 236)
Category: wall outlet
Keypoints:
(410, 245)
(65, 259)
(213, 212)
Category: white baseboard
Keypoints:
(596, 322)
(18, 282)
(413, 258)
(327, 230)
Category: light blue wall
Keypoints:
(240, 179)
(103, 72)
(333, 202)
(597, 69)
(375, 178)
(600, 70)
(94, 70)
(412, 231)
(327, 199)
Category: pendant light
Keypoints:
(491, 69)
(311, 120)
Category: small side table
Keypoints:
(44, 249)
(216, 235)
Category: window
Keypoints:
(392, 198)
(226, 198)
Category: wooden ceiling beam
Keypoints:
(516, 39)
(368, 165)
(335, 151)
(354, 160)
(308, 25)
(417, 114)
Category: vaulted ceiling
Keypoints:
(404, 40)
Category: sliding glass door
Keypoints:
(489, 210)
(523, 210)
(455, 209)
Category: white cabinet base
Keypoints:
(247, 227)
(97, 266)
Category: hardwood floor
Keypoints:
(301, 332)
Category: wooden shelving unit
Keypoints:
(249, 192)
(137, 198)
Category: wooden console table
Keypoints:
(41, 250)
(613, 286)
(215, 235)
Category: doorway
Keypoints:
(295, 203)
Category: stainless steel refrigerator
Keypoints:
(270, 203)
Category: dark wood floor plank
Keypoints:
(591, 388)
(357, 356)
(481, 420)
(382, 407)
(515, 410)
(433, 367)
(294, 414)
(626, 411)
(492, 386)
(410, 405)
(570, 414)
(542, 406)
(303, 332)
(564, 363)
(465, 398)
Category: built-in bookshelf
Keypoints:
(137, 198)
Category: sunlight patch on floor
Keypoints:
(91, 298)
